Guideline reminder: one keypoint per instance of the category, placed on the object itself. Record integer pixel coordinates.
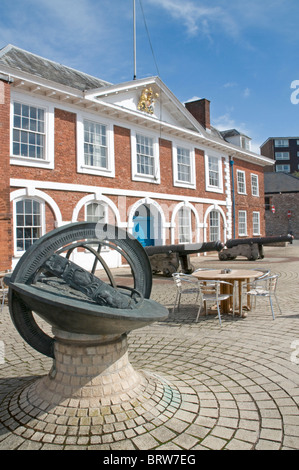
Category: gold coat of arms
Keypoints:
(147, 101)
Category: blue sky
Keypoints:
(241, 55)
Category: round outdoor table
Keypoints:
(234, 275)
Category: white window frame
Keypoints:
(185, 230)
(283, 168)
(19, 253)
(245, 143)
(242, 233)
(155, 178)
(256, 223)
(212, 213)
(255, 191)
(104, 206)
(241, 184)
(282, 155)
(209, 187)
(109, 171)
(48, 160)
(176, 181)
(281, 142)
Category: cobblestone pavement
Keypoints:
(233, 387)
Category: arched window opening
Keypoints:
(28, 223)
(214, 226)
(96, 212)
(185, 228)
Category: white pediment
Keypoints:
(165, 107)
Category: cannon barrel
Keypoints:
(259, 240)
(185, 248)
(167, 258)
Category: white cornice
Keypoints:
(52, 185)
(120, 87)
(39, 86)
(166, 98)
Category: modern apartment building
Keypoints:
(284, 151)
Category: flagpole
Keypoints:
(134, 36)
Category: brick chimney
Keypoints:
(200, 109)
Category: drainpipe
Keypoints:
(231, 162)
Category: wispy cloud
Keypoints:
(230, 85)
(194, 98)
(89, 35)
(49, 24)
(198, 17)
(226, 122)
(235, 18)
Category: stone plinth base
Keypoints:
(95, 369)
(94, 398)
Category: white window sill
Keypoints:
(93, 170)
(146, 179)
(32, 162)
(184, 184)
(214, 189)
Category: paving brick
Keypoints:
(206, 386)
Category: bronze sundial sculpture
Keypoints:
(46, 282)
(91, 379)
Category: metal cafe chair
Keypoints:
(215, 292)
(201, 270)
(185, 284)
(3, 292)
(253, 284)
(265, 273)
(264, 287)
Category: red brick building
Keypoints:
(74, 147)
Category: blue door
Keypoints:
(142, 229)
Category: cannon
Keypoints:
(251, 248)
(168, 258)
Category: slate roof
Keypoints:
(24, 61)
(280, 183)
(217, 133)
(232, 133)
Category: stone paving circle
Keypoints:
(205, 386)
